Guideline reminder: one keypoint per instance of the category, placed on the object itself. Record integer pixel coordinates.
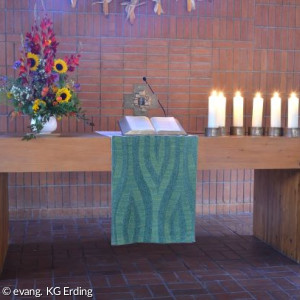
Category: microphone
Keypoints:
(145, 79)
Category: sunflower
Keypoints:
(64, 94)
(33, 60)
(37, 104)
(60, 66)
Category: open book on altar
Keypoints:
(140, 125)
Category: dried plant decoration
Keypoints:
(130, 6)
(158, 8)
(35, 9)
(73, 3)
(191, 5)
(105, 4)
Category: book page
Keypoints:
(109, 133)
(131, 125)
(139, 123)
(167, 125)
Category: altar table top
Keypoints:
(92, 152)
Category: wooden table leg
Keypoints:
(4, 229)
(276, 216)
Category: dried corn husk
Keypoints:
(130, 6)
(158, 8)
(105, 4)
(73, 3)
(191, 5)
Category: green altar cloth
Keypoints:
(153, 189)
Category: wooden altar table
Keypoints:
(275, 160)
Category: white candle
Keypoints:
(276, 110)
(238, 110)
(293, 111)
(257, 112)
(212, 110)
(221, 110)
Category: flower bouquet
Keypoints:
(42, 89)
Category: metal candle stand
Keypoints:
(222, 131)
(256, 131)
(211, 132)
(275, 131)
(239, 131)
(292, 132)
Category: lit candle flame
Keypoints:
(276, 94)
(238, 94)
(293, 94)
(258, 95)
(214, 93)
(221, 94)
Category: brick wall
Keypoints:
(226, 44)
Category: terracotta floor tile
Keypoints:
(159, 290)
(141, 291)
(225, 262)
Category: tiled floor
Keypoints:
(226, 262)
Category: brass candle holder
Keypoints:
(212, 131)
(292, 132)
(238, 131)
(275, 131)
(256, 131)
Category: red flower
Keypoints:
(22, 70)
(46, 23)
(48, 66)
(72, 61)
(76, 60)
(36, 38)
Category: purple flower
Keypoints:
(3, 80)
(55, 77)
(77, 86)
(17, 65)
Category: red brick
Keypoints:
(182, 79)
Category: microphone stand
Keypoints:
(145, 79)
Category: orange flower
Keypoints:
(47, 43)
(45, 91)
(59, 99)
